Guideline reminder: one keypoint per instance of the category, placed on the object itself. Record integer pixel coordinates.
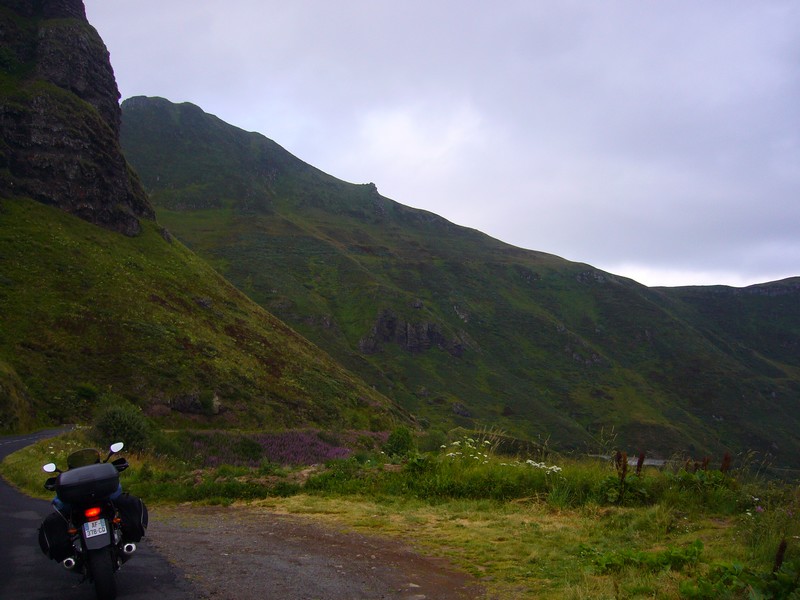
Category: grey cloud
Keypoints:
(609, 133)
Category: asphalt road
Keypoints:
(27, 574)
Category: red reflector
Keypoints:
(92, 513)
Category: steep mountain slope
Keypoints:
(459, 328)
(95, 296)
(87, 310)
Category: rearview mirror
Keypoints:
(49, 468)
(116, 447)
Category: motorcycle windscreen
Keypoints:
(81, 458)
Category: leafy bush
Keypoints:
(631, 491)
(433, 440)
(400, 443)
(121, 421)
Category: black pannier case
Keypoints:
(134, 517)
(92, 482)
(54, 539)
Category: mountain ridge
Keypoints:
(459, 328)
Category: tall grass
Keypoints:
(351, 464)
(668, 533)
(469, 469)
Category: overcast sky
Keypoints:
(656, 140)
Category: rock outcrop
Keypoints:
(60, 117)
(411, 336)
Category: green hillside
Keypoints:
(96, 298)
(759, 324)
(88, 311)
(457, 327)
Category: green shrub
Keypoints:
(121, 421)
(400, 443)
(433, 440)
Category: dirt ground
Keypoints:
(245, 552)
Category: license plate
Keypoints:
(94, 528)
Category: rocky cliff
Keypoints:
(412, 336)
(60, 116)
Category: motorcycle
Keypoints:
(95, 527)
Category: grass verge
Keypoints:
(525, 528)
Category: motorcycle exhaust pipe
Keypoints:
(69, 563)
(129, 548)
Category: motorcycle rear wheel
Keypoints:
(101, 569)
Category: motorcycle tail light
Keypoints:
(92, 513)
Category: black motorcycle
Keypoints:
(95, 527)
